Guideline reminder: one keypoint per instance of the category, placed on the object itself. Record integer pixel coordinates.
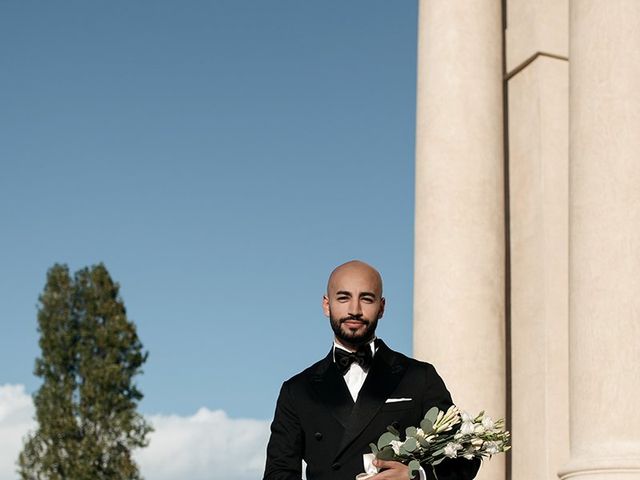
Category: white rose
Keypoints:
(487, 423)
(464, 415)
(492, 448)
(468, 455)
(466, 428)
(451, 450)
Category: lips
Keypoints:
(354, 323)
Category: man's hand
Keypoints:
(391, 470)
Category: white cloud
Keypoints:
(16, 419)
(207, 445)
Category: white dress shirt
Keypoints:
(356, 375)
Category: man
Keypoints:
(328, 414)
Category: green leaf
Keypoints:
(432, 414)
(386, 454)
(374, 448)
(411, 431)
(427, 426)
(393, 430)
(385, 439)
(414, 469)
(410, 444)
(423, 442)
(438, 461)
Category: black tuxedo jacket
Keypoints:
(317, 420)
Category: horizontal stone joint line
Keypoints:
(530, 60)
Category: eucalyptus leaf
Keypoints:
(386, 453)
(374, 448)
(414, 469)
(432, 415)
(427, 426)
(385, 439)
(438, 461)
(423, 442)
(411, 431)
(393, 430)
(410, 444)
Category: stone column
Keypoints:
(459, 225)
(604, 233)
(538, 92)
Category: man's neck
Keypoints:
(348, 346)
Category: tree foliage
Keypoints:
(86, 406)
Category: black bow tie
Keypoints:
(344, 359)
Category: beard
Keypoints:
(354, 337)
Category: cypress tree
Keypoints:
(48, 453)
(86, 407)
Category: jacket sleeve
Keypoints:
(286, 444)
(454, 469)
(437, 395)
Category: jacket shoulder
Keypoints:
(411, 363)
(308, 373)
(425, 369)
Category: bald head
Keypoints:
(354, 269)
(354, 303)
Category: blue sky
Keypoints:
(220, 157)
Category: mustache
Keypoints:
(357, 319)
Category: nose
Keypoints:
(355, 309)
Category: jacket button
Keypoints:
(336, 466)
(318, 435)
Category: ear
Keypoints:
(381, 311)
(325, 305)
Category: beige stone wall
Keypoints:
(538, 117)
(604, 240)
(538, 169)
(571, 74)
(536, 27)
(460, 242)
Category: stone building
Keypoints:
(527, 236)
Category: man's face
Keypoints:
(354, 304)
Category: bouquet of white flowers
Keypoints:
(436, 439)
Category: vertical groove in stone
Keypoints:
(507, 241)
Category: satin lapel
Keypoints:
(386, 372)
(332, 390)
